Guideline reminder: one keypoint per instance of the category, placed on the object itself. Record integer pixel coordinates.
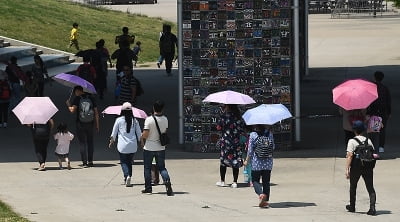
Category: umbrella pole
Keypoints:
(70, 95)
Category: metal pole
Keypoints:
(180, 70)
(306, 63)
(296, 35)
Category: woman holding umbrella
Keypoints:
(128, 131)
(232, 126)
(261, 146)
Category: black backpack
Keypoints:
(166, 44)
(263, 146)
(363, 154)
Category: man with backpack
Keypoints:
(130, 87)
(167, 44)
(360, 161)
(87, 118)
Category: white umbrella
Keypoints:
(267, 114)
(35, 110)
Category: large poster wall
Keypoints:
(241, 45)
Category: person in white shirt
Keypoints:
(63, 138)
(355, 169)
(127, 128)
(153, 149)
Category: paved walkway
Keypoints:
(308, 182)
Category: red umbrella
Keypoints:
(355, 94)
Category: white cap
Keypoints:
(126, 106)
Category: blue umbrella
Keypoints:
(267, 114)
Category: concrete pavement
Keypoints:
(308, 182)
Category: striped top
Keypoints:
(126, 90)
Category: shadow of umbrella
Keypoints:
(291, 204)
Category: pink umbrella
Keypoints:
(73, 80)
(229, 97)
(116, 110)
(355, 94)
(35, 110)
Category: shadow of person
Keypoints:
(291, 204)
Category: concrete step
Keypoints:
(17, 51)
(67, 68)
(50, 60)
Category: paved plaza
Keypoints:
(308, 182)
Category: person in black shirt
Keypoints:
(87, 118)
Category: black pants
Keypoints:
(368, 176)
(41, 149)
(168, 62)
(85, 137)
(382, 133)
(4, 112)
(222, 172)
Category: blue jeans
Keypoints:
(126, 163)
(265, 187)
(160, 162)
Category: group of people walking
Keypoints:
(258, 156)
(365, 134)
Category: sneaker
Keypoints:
(263, 200)
(146, 191)
(90, 164)
(234, 185)
(371, 212)
(128, 182)
(220, 183)
(61, 168)
(350, 208)
(69, 166)
(264, 204)
(85, 165)
(158, 64)
(168, 187)
(381, 150)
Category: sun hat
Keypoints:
(126, 106)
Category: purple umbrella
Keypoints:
(73, 80)
(229, 97)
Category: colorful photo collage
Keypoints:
(241, 45)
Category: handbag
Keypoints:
(164, 139)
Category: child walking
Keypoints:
(63, 138)
(74, 36)
(136, 50)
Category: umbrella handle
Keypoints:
(70, 95)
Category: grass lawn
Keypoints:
(7, 215)
(49, 22)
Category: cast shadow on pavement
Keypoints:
(291, 204)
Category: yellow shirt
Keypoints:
(74, 34)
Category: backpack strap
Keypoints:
(358, 141)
